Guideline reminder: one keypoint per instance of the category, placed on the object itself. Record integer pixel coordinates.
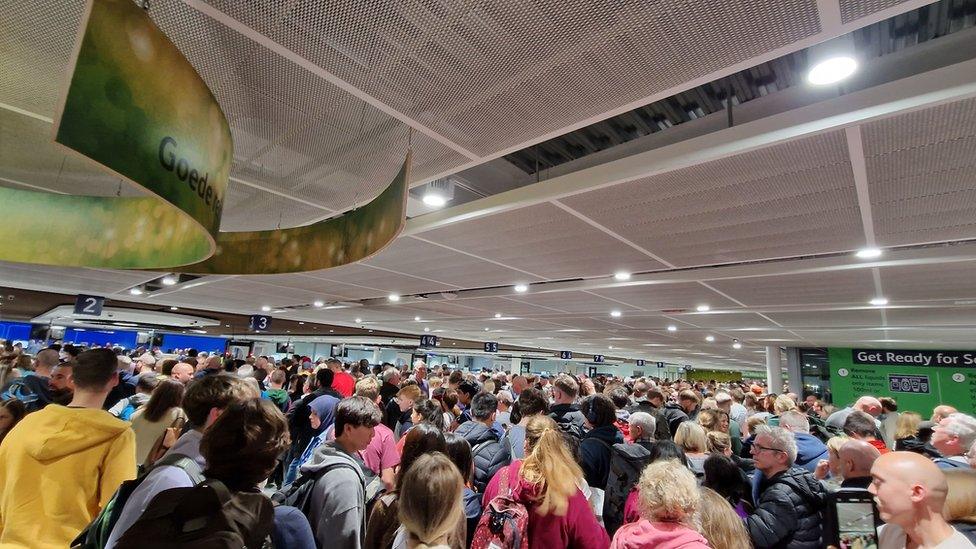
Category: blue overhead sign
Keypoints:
(566, 355)
(428, 341)
(640, 363)
(598, 359)
(260, 323)
(491, 347)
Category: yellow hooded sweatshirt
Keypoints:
(58, 467)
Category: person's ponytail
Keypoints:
(549, 465)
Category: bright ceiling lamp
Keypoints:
(832, 70)
(615, 313)
(434, 199)
(394, 298)
(416, 319)
(736, 344)
(169, 280)
(672, 328)
(521, 288)
(135, 291)
(498, 315)
(621, 275)
(318, 303)
(868, 253)
(703, 308)
(438, 193)
(879, 301)
(709, 338)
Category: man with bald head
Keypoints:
(941, 412)
(867, 404)
(182, 372)
(856, 459)
(910, 492)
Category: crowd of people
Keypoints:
(103, 448)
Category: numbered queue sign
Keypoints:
(89, 305)
(260, 323)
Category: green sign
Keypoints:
(919, 380)
(136, 106)
(709, 375)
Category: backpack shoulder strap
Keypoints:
(188, 464)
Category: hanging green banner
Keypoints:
(137, 107)
(919, 380)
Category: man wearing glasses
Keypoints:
(791, 501)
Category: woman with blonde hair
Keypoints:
(691, 438)
(960, 504)
(668, 498)
(430, 503)
(545, 482)
(906, 432)
(720, 524)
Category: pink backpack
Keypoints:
(504, 523)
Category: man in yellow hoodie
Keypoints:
(60, 465)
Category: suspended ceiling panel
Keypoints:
(941, 316)
(488, 76)
(543, 240)
(922, 172)
(828, 319)
(70, 280)
(575, 302)
(791, 199)
(850, 286)
(851, 10)
(734, 321)
(660, 297)
(946, 281)
(382, 282)
(415, 257)
(508, 307)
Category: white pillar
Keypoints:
(516, 366)
(794, 372)
(376, 356)
(774, 370)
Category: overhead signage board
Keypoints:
(491, 347)
(260, 323)
(640, 363)
(599, 359)
(660, 365)
(918, 380)
(89, 305)
(428, 341)
(566, 355)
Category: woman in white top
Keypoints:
(152, 419)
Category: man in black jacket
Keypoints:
(595, 448)
(482, 438)
(654, 405)
(565, 411)
(791, 501)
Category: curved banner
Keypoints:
(137, 107)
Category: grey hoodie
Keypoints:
(338, 499)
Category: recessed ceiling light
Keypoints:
(265, 308)
(832, 70)
(169, 280)
(615, 313)
(302, 323)
(621, 275)
(879, 301)
(226, 325)
(287, 331)
(434, 199)
(868, 253)
(709, 338)
(394, 298)
(318, 303)
(426, 329)
(358, 320)
(672, 328)
(610, 347)
(416, 319)
(487, 329)
(702, 308)
(736, 344)
(174, 308)
(521, 288)
(331, 331)
(498, 315)
(135, 291)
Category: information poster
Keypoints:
(918, 380)
(710, 375)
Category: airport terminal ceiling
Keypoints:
(725, 239)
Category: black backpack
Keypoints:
(205, 516)
(96, 534)
(626, 463)
(298, 494)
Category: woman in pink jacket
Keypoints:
(545, 482)
(668, 497)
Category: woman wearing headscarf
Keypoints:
(321, 417)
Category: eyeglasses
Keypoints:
(761, 448)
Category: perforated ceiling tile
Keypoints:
(415, 257)
(507, 307)
(385, 281)
(574, 302)
(491, 75)
(544, 240)
(940, 316)
(856, 9)
(660, 297)
(922, 174)
(738, 321)
(442, 308)
(945, 281)
(791, 199)
(855, 286)
(68, 279)
(828, 319)
(249, 209)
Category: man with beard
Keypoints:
(62, 383)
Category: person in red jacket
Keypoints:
(546, 483)
(343, 382)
